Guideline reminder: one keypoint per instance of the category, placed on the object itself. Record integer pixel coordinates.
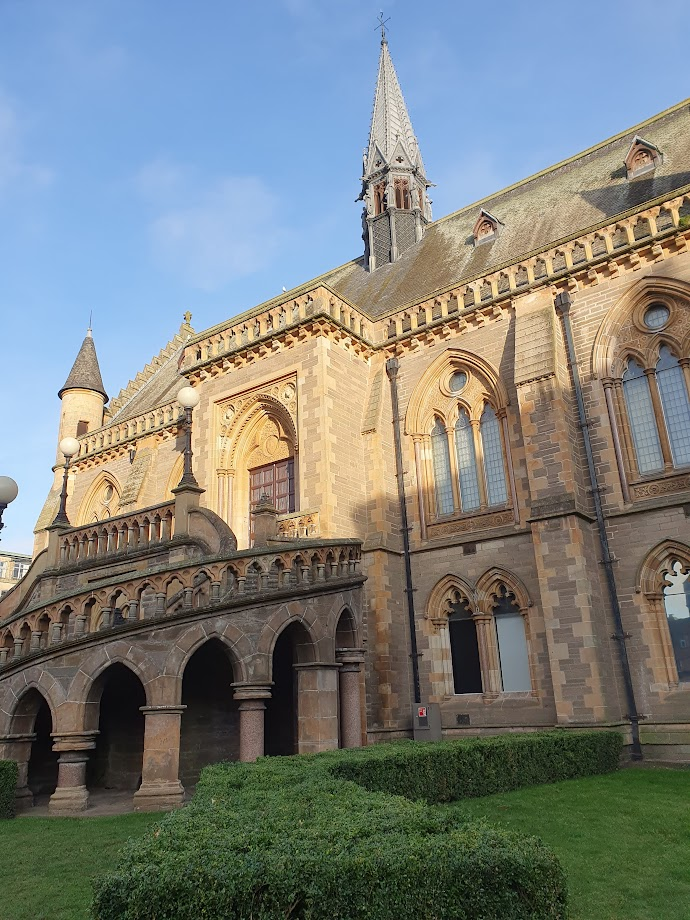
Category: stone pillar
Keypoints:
(349, 685)
(252, 710)
(18, 748)
(317, 707)
(265, 521)
(71, 795)
(161, 789)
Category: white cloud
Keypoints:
(209, 233)
(16, 169)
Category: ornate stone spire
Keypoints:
(85, 373)
(394, 181)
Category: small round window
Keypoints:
(457, 382)
(656, 316)
(107, 494)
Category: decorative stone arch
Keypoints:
(487, 589)
(431, 395)
(235, 641)
(84, 686)
(650, 583)
(16, 689)
(99, 500)
(436, 629)
(262, 430)
(281, 619)
(622, 327)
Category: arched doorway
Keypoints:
(33, 717)
(293, 647)
(115, 702)
(210, 730)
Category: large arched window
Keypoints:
(464, 646)
(511, 643)
(442, 475)
(677, 609)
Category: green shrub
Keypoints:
(8, 787)
(329, 836)
(449, 770)
(315, 847)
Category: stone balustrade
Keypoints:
(118, 535)
(129, 601)
(119, 434)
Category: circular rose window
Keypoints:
(457, 382)
(656, 316)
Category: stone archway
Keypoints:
(116, 762)
(293, 652)
(210, 730)
(33, 719)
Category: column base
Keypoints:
(69, 800)
(158, 797)
(23, 799)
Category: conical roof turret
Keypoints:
(85, 373)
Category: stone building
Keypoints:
(13, 567)
(453, 473)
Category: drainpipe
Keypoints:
(392, 368)
(562, 304)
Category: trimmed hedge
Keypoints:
(295, 837)
(8, 787)
(445, 771)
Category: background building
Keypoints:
(452, 472)
(13, 566)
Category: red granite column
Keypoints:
(161, 789)
(252, 709)
(71, 794)
(349, 685)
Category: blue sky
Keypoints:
(164, 155)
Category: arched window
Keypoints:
(441, 460)
(482, 644)
(493, 458)
(511, 642)
(638, 402)
(651, 429)
(677, 609)
(464, 647)
(675, 404)
(467, 463)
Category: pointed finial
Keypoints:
(187, 317)
(88, 331)
(382, 26)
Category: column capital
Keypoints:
(245, 691)
(316, 665)
(163, 710)
(350, 656)
(74, 741)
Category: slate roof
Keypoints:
(559, 203)
(85, 373)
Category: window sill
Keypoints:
(511, 696)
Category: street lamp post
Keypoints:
(68, 447)
(188, 398)
(8, 492)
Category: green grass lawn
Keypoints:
(47, 863)
(623, 839)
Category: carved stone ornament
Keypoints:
(486, 228)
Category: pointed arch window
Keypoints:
(677, 609)
(675, 404)
(494, 470)
(512, 643)
(467, 463)
(660, 433)
(464, 647)
(442, 475)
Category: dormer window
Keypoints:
(642, 157)
(486, 228)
